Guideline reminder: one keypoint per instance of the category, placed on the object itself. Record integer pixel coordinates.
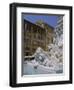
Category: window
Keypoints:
(27, 54)
(25, 26)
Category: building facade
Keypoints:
(59, 29)
(35, 36)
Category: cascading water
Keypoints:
(46, 62)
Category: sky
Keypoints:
(49, 19)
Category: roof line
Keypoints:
(38, 25)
